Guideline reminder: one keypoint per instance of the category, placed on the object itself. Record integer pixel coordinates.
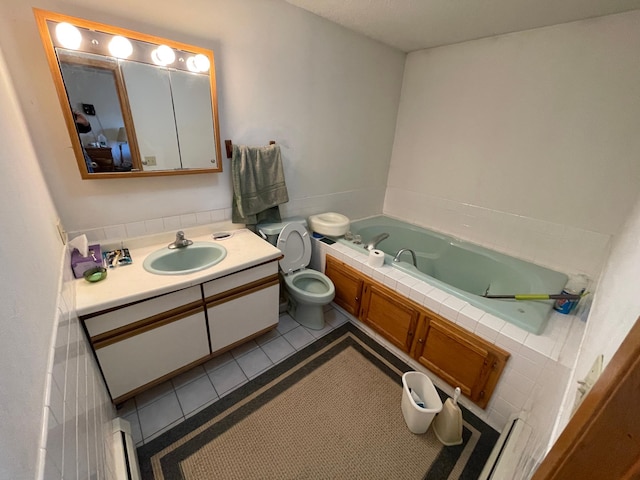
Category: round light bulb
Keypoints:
(198, 64)
(120, 47)
(202, 63)
(191, 65)
(163, 55)
(68, 35)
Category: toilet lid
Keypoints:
(295, 245)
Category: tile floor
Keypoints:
(157, 410)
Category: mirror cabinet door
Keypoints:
(148, 111)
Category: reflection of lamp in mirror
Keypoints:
(120, 47)
(163, 55)
(198, 63)
(122, 138)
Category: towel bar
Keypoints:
(228, 145)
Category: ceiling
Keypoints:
(416, 24)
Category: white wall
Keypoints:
(31, 259)
(328, 96)
(525, 142)
(52, 393)
(616, 307)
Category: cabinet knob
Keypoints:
(420, 340)
(357, 299)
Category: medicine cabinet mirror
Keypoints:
(135, 105)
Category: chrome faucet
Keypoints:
(180, 242)
(373, 243)
(401, 251)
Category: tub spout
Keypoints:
(401, 251)
(373, 243)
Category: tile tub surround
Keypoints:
(522, 380)
(552, 245)
(465, 269)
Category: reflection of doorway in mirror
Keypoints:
(194, 119)
(96, 86)
(149, 91)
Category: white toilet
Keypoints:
(308, 290)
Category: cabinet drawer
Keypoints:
(240, 279)
(141, 358)
(148, 308)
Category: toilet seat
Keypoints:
(310, 287)
(308, 290)
(295, 245)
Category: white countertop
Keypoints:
(131, 283)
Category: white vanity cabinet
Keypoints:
(139, 344)
(142, 344)
(242, 305)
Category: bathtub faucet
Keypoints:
(401, 251)
(373, 243)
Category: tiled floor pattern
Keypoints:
(157, 410)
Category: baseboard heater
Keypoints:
(506, 454)
(124, 451)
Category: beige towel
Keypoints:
(258, 184)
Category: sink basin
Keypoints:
(331, 224)
(180, 261)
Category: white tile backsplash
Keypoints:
(560, 247)
(117, 233)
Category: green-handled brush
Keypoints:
(537, 296)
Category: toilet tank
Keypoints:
(270, 231)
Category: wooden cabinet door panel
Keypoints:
(389, 315)
(348, 284)
(461, 359)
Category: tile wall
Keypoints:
(557, 246)
(78, 414)
(355, 204)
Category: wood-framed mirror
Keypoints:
(135, 105)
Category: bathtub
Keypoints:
(466, 270)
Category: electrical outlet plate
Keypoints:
(150, 160)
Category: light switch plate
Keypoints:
(61, 231)
(584, 386)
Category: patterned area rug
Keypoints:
(331, 410)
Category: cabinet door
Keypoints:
(137, 358)
(348, 284)
(235, 318)
(460, 358)
(390, 315)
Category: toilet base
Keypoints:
(310, 316)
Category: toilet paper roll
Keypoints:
(376, 258)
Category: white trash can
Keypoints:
(419, 418)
